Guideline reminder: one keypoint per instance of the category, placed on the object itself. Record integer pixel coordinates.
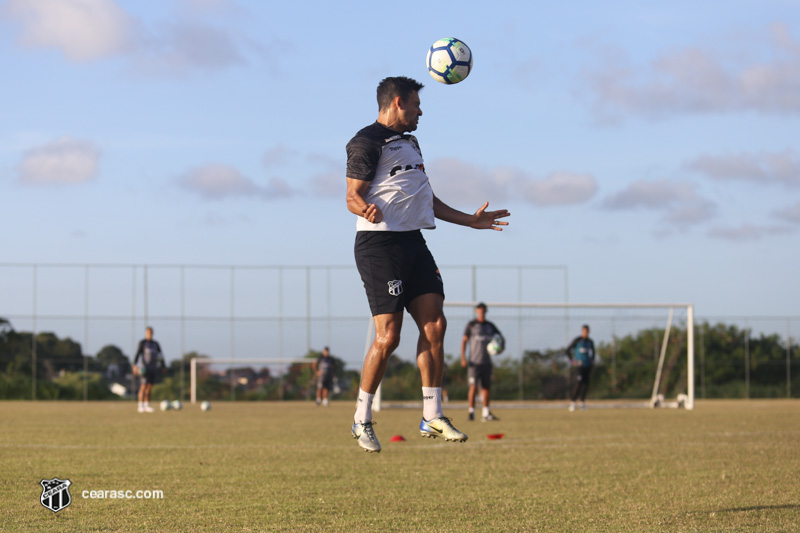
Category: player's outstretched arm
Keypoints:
(481, 219)
(356, 203)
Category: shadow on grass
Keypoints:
(760, 508)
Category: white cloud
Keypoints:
(458, 182)
(65, 160)
(329, 184)
(215, 181)
(191, 39)
(695, 80)
(83, 30)
(277, 155)
(789, 214)
(766, 167)
(184, 46)
(747, 232)
(209, 5)
(677, 199)
(559, 188)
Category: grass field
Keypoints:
(726, 466)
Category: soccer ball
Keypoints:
(449, 60)
(205, 406)
(496, 345)
(682, 400)
(165, 405)
(177, 405)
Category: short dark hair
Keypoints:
(481, 305)
(394, 86)
(586, 326)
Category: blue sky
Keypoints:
(650, 147)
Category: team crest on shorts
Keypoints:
(396, 287)
(55, 494)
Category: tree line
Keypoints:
(730, 362)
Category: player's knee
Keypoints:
(435, 330)
(387, 342)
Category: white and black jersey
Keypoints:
(149, 351)
(325, 366)
(392, 163)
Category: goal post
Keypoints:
(233, 361)
(549, 327)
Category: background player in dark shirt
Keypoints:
(388, 190)
(477, 335)
(581, 353)
(323, 368)
(147, 364)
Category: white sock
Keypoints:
(325, 402)
(363, 407)
(431, 403)
(141, 404)
(471, 409)
(485, 411)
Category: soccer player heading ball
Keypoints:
(388, 190)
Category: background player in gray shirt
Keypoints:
(477, 335)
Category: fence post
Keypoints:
(747, 362)
(86, 334)
(33, 338)
(788, 360)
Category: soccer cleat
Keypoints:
(490, 418)
(440, 427)
(366, 437)
(583, 407)
(471, 417)
(148, 409)
(141, 409)
(571, 407)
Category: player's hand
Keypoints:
(373, 214)
(483, 219)
(464, 363)
(135, 371)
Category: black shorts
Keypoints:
(395, 267)
(480, 375)
(584, 374)
(149, 377)
(325, 382)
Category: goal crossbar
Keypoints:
(234, 361)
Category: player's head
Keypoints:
(398, 97)
(326, 352)
(480, 311)
(148, 333)
(585, 330)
